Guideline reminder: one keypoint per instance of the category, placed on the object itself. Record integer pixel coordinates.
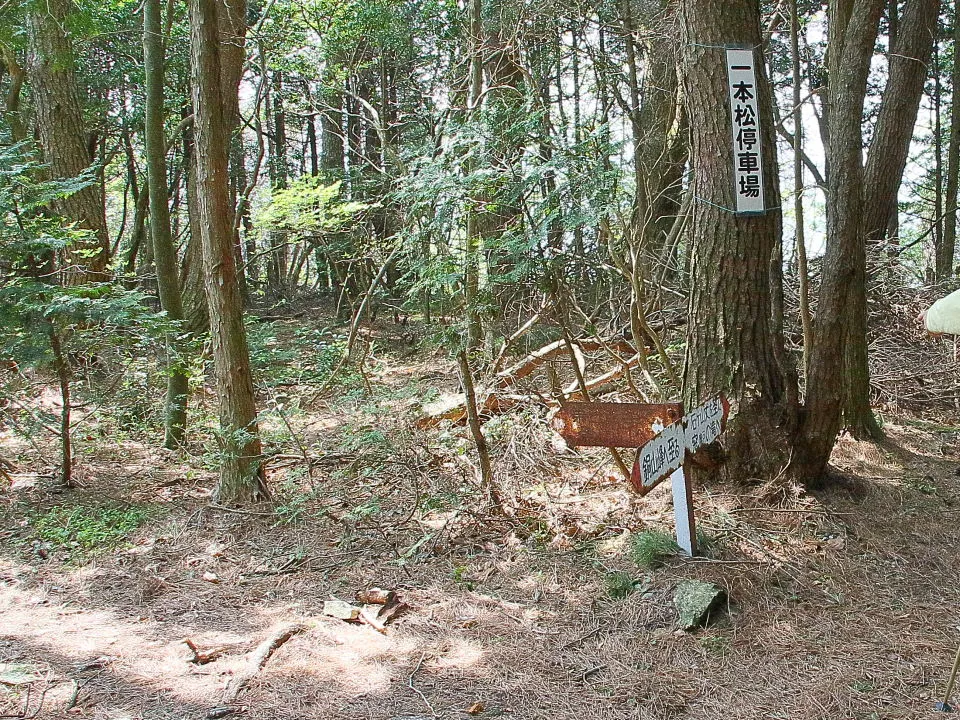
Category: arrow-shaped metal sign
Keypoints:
(668, 449)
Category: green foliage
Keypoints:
(308, 208)
(88, 317)
(294, 504)
(620, 584)
(309, 358)
(651, 548)
(87, 528)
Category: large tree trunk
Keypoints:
(164, 252)
(886, 161)
(734, 344)
(63, 137)
(241, 471)
(852, 33)
(232, 25)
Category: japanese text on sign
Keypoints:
(705, 423)
(662, 455)
(744, 112)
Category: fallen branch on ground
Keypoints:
(258, 659)
(200, 657)
(495, 400)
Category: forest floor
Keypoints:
(841, 604)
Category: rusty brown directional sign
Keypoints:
(664, 436)
(613, 424)
(662, 431)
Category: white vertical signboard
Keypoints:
(744, 112)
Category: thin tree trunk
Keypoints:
(194, 296)
(937, 110)
(164, 252)
(62, 367)
(473, 242)
(331, 132)
(945, 259)
(241, 471)
(882, 177)
(473, 418)
(11, 111)
(802, 266)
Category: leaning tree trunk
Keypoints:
(852, 32)
(886, 161)
(63, 137)
(733, 339)
(164, 252)
(241, 471)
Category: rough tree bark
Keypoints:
(734, 344)
(945, 258)
(852, 33)
(882, 176)
(241, 471)
(63, 136)
(232, 26)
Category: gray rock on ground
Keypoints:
(695, 600)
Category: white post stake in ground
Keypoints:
(683, 512)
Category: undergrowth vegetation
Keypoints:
(84, 529)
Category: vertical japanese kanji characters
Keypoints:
(747, 163)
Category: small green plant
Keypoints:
(651, 548)
(706, 543)
(619, 584)
(367, 439)
(922, 485)
(294, 504)
(461, 577)
(439, 501)
(717, 645)
(84, 529)
(366, 509)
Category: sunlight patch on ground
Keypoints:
(356, 658)
(73, 635)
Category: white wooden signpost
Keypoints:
(665, 454)
(744, 114)
(665, 437)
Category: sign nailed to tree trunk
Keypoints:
(745, 116)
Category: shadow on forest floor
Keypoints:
(841, 604)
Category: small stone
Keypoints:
(341, 610)
(694, 600)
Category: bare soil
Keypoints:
(841, 604)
